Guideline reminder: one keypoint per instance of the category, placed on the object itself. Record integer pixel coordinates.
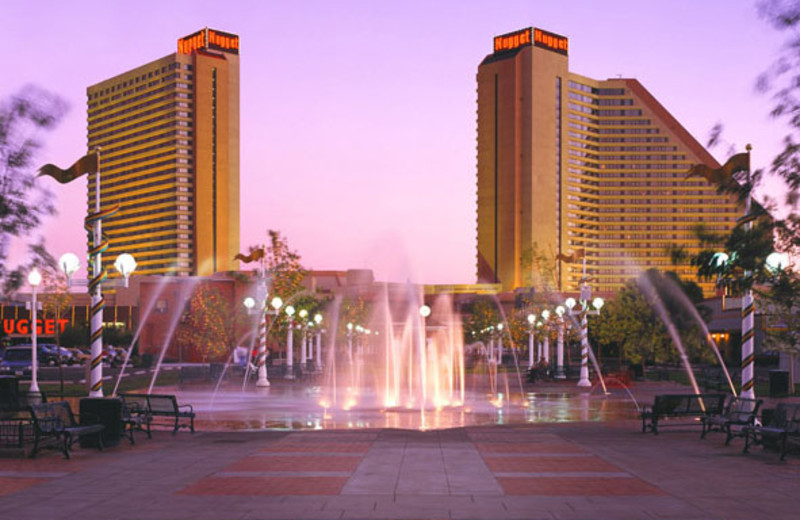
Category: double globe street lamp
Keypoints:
(261, 362)
(583, 312)
(125, 264)
(723, 264)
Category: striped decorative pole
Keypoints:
(262, 347)
(93, 225)
(262, 328)
(584, 380)
(748, 309)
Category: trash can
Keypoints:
(108, 412)
(778, 383)
(147, 360)
(9, 392)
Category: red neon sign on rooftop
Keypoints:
(531, 36)
(209, 39)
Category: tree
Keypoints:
(208, 329)
(283, 265)
(23, 203)
(631, 323)
(482, 315)
(285, 276)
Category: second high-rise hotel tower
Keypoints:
(568, 164)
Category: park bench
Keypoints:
(55, 421)
(738, 414)
(135, 415)
(782, 430)
(696, 406)
(156, 405)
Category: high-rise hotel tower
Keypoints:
(569, 165)
(168, 135)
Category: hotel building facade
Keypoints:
(168, 135)
(569, 165)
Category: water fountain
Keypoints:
(404, 367)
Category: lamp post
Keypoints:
(499, 344)
(583, 312)
(126, 265)
(303, 314)
(721, 262)
(531, 346)
(560, 373)
(318, 357)
(546, 347)
(350, 342)
(263, 309)
(34, 279)
(289, 346)
(424, 312)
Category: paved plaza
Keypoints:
(577, 470)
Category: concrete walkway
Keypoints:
(548, 471)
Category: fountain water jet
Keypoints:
(148, 310)
(185, 294)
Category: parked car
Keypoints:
(17, 360)
(56, 354)
(113, 356)
(81, 356)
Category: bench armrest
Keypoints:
(191, 409)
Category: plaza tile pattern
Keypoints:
(522, 464)
(554, 471)
(300, 464)
(577, 486)
(10, 485)
(294, 463)
(276, 486)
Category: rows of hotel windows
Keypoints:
(163, 101)
(680, 170)
(117, 137)
(165, 249)
(146, 222)
(597, 91)
(178, 146)
(634, 112)
(157, 197)
(143, 78)
(127, 216)
(162, 175)
(116, 108)
(150, 157)
(119, 133)
(162, 136)
(621, 131)
(169, 92)
(184, 228)
(137, 118)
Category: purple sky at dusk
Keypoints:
(358, 133)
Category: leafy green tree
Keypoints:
(283, 266)
(23, 202)
(208, 330)
(630, 322)
(480, 316)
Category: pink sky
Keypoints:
(358, 118)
